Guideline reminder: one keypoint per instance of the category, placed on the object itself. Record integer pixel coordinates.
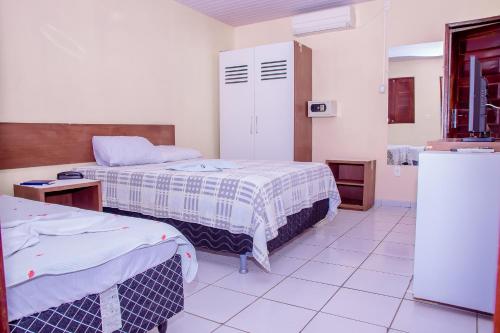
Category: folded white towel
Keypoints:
(205, 166)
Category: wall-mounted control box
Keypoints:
(321, 108)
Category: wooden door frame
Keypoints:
(449, 80)
(4, 321)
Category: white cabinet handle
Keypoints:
(256, 124)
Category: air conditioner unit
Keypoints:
(339, 18)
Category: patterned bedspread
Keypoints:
(253, 200)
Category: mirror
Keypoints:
(415, 78)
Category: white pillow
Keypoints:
(124, 150)
(174, 153)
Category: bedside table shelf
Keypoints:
(349, 182)
(81, 193)
(355, 181)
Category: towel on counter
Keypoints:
(20, 234)
(205, 166)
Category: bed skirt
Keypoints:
(224, 241)
(147, 300)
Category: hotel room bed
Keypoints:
(139, 275)
(254, 208)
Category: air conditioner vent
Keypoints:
(236, 74)
(339, 18)
(273, 70)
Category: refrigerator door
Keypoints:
(458, 214)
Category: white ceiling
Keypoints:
(241, 12)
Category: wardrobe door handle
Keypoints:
(251, 125)
(256, 124)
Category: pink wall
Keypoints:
(349, 66)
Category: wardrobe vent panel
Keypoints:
(236, 74)
(273, 70)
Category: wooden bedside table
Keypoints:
(81, 193)
(355, 181)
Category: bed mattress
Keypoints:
(254, 200)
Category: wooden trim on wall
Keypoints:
(35, 144)
(302, 94)
(445, 105)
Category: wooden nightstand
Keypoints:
(355, 182)
(81, 193)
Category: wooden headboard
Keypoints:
(25, 145)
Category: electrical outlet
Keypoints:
(397, 170)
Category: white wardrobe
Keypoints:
(263, 102)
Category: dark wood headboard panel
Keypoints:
(25, 145)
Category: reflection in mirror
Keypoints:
(414, 103)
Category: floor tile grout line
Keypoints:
(260, 297)
(287, 276)
(344, 317)
(400, 303)
(257, 297)
(293, 277)
(306, 261)
(213, 285)
(355, 270)
(290, 275)
(345, 281)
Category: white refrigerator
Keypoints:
(457, 233)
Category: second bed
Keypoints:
(250, 207)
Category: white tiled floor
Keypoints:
(303, 293)
(352, 274)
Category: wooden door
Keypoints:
(480, 38)
(274, 109)
(401, 100)
(236, 89)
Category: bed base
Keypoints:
(220, 240)
(147, 300)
